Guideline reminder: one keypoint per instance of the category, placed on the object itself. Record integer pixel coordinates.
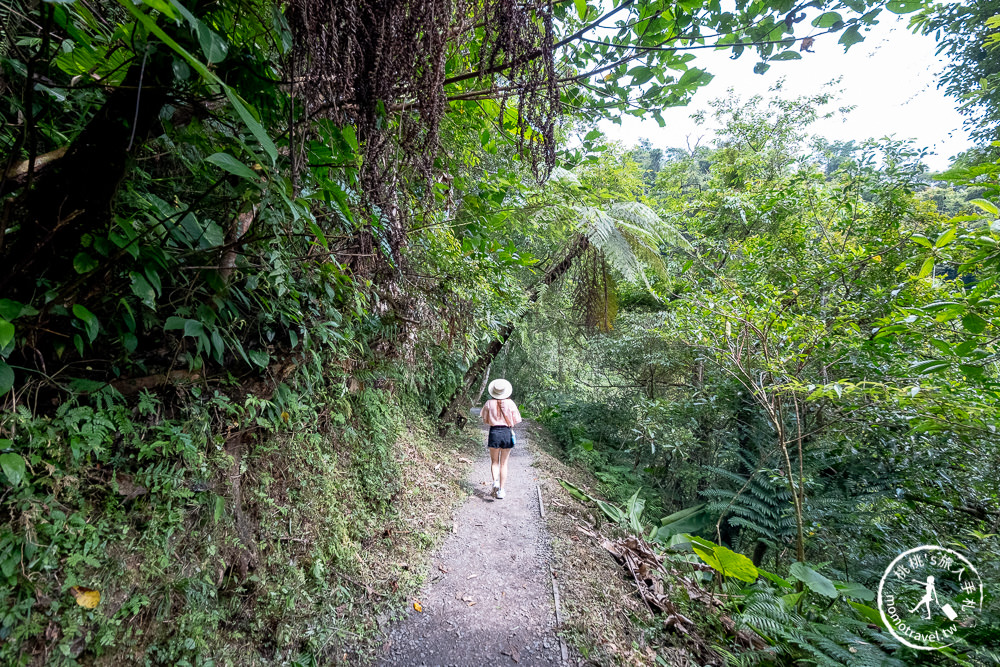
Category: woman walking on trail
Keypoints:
(501, 415)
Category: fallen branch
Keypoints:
(17, 175)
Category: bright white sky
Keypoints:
(891, 79)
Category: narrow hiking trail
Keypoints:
(489, 598)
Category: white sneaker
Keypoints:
(500, 494)
(496, 487)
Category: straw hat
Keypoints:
(500, 389)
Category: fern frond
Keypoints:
(649, 256)
(641, 216)
(602, 231)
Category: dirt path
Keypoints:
(489, 599)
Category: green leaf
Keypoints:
(792, 599)
(708, 557)
(867, 19)
(6, 378)
(681, 514)
(581, 8)
(926, 268)
(965, 348)
(90, 324)
(987, 206)
(971, 371)
(788, 55)
(867, 613)
(610, 511)
(929, 366)
(813, 579)
(736, 565)
(575, 491)
(351, 137)
(827, 20)
(13, 467)
(725, 561)
(142, 289)
(853, 589)
(903, 6)
(974, 323)
(10, 310)
(84, 263)
(850, 37)
(889, 330)
(193, 328)
(182, 71)
(214, 47)
(248, 117)
(174, 323)
(690, 77)
(168, 8)
(154, 278)
(6, 333)
(946, 238)
(775, 578)
(213, 236)
(634, 508)
(259, 357)
(941, 346)
(701, 541)
(761, 68)
(233, 166)
(688, 520)
(220, 508)
(219, 346)
(641, 75)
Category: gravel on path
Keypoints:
(488, 600)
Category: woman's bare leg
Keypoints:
(495, 464)
(504, 455)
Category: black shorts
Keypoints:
(500, 436)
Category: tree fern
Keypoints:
(631, 236)
(646, 222)
(603, 232)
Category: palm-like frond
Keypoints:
(631, 236)
(603, 232)
(638, 216)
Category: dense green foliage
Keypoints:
(816, 380)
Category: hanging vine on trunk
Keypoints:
(365, 62)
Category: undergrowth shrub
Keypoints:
(213, 525)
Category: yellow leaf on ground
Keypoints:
(416, 605)
(87, 598)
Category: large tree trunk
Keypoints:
(452, 412)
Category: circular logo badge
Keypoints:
(928, 596)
